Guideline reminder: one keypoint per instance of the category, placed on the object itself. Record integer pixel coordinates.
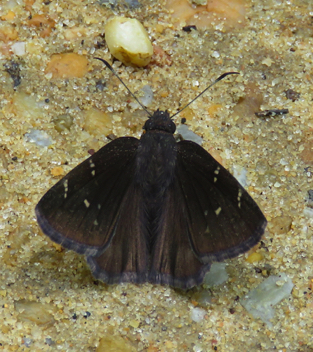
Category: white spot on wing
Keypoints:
(239, 197)
(87, 204)
(218, 210)
(65, 184)
(217, 171)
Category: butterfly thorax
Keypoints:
(155, 162)
(155, 170)
(156, 155)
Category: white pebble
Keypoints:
(187, 134)
(147, 97)
(217, 275)
(128, 41)
(260, 301)
(19, 48)
(197, 314)
(40, 138)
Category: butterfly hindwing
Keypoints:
(126, 258)
(81, 211)
(223, 220)
(173, 261)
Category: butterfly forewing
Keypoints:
(223, 220)
(81, 210)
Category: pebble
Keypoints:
(198, 314)
(67, 65)
(97, 122)
(217, 275)
(40, 138)
(187, 134)
(203, 14)
(35, 312)
(128, 41)
(114, 343)
(260, 301)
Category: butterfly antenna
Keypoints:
(132, 94)
(199, 95)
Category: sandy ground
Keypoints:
(48, 297)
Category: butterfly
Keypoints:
(151, 209)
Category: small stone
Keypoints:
(67, 65)
(40, 138)
(147, 97)
(57, 171)
(260, 301)
(217, 275)
(26, 107)
(187, 134)
(19, 48)
(280, 224)
(35, 312)
(97, 122)
(292, 95)
(203, 14)
(63, 122)
(134, 323)
(267, 62)
(254, 257)
(111, 343)
(198, 314)
(128, 41)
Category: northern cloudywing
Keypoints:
(151, 210)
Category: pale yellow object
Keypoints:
(97, 122)
(128, 41)
(254, 257)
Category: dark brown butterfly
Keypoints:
(151, 210)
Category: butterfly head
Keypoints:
(160, 120)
